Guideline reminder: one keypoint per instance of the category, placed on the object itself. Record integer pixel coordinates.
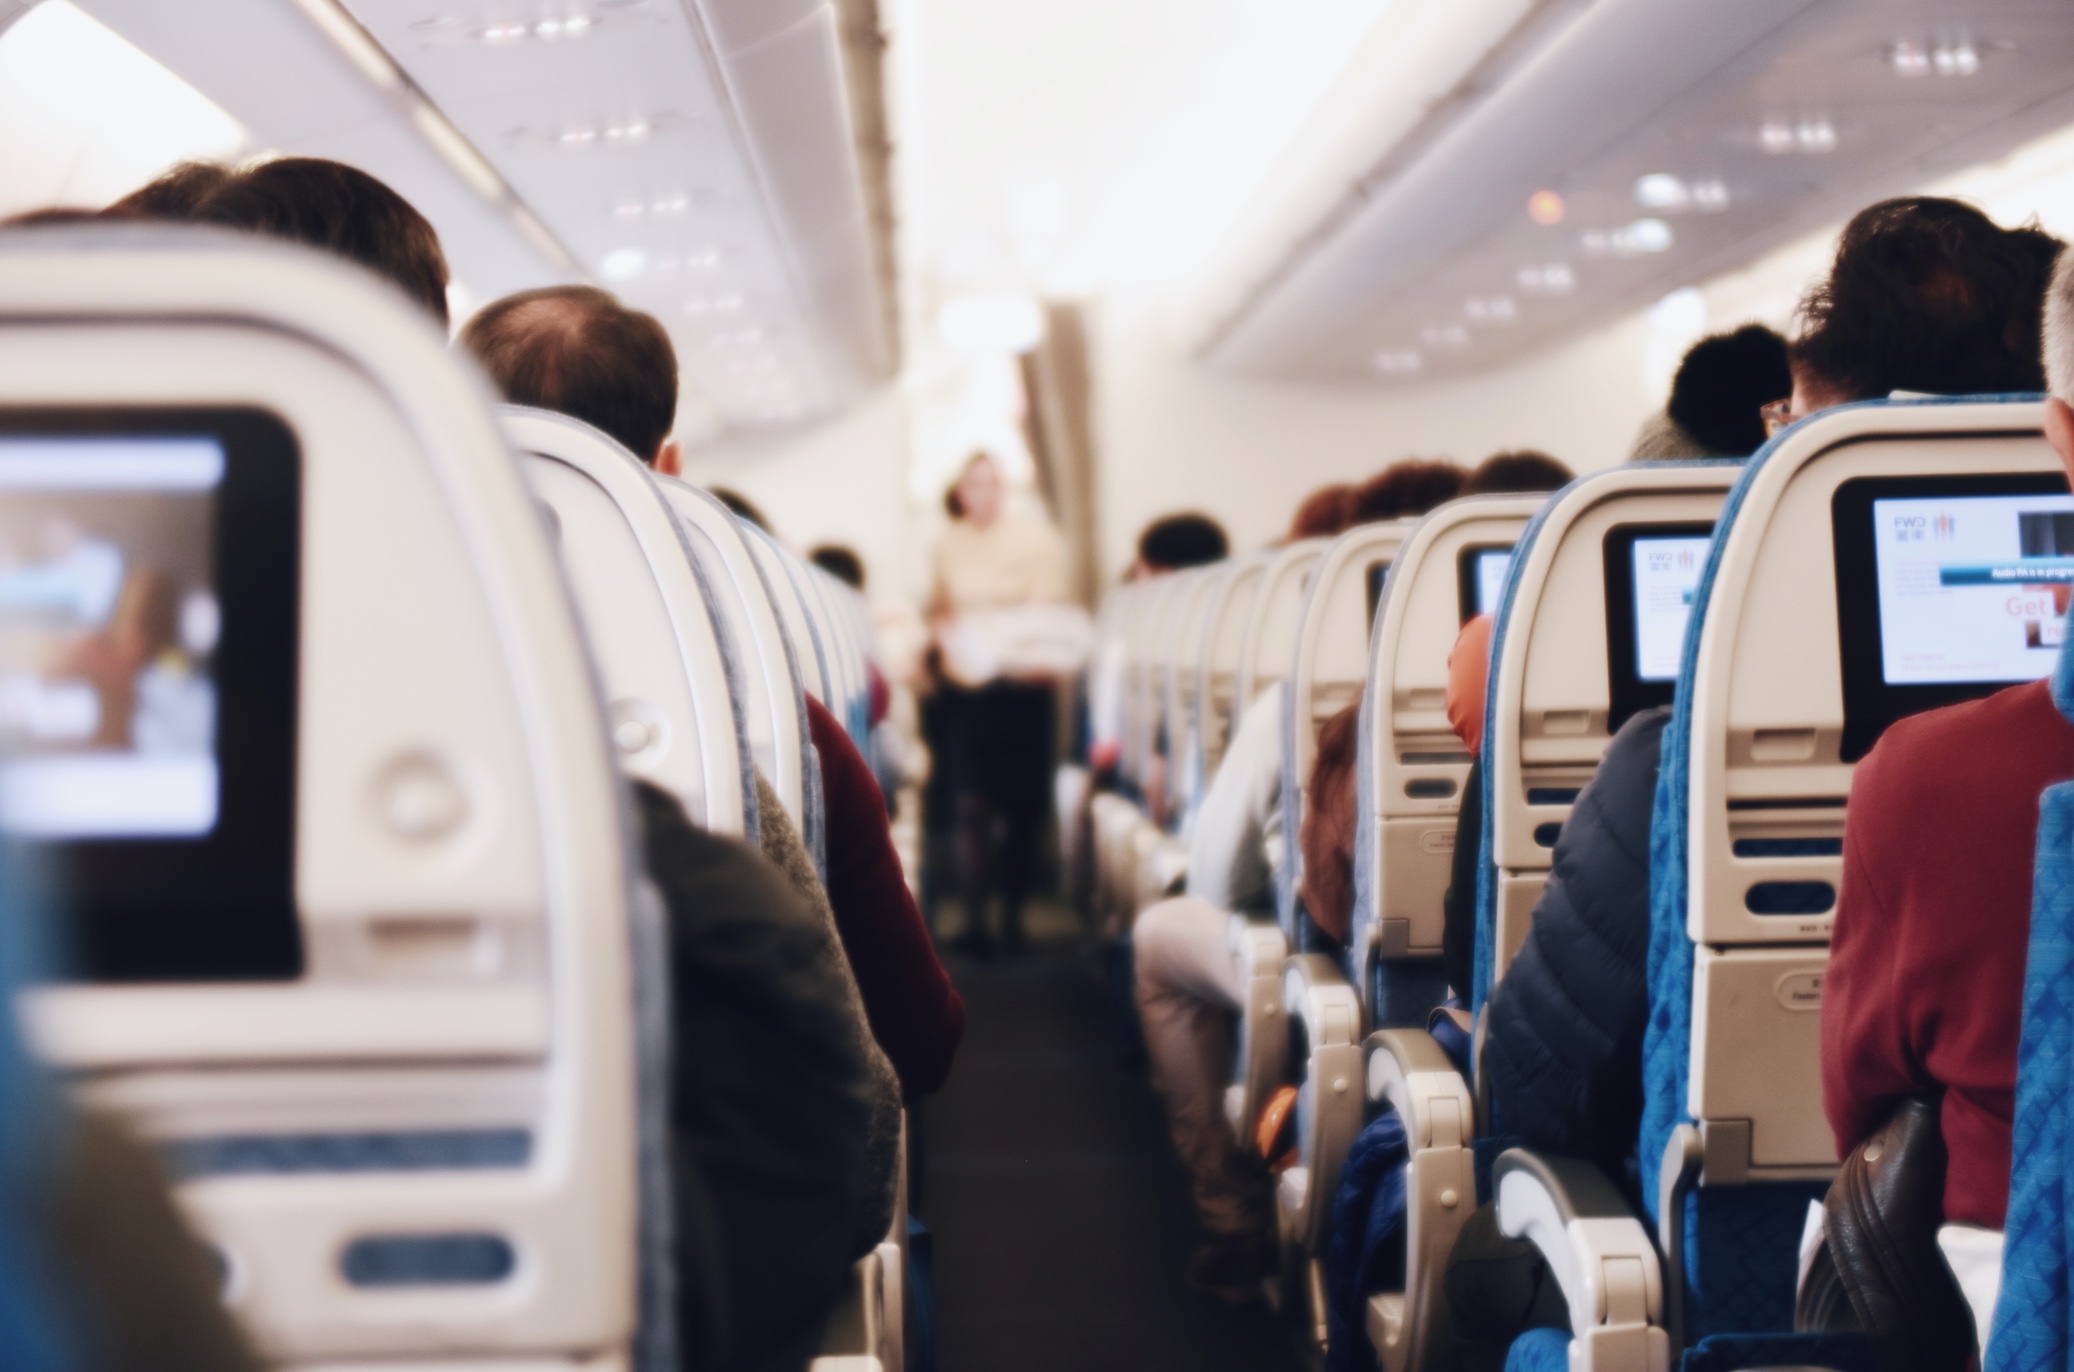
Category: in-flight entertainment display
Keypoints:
(1948, 588)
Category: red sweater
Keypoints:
(1926, 966)
(915, 1014)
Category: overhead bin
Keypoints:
(1606, 153)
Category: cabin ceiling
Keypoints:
(1679, 139)
(700, 158)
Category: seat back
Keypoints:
(1409, 779)
(1144, 671)
(1190, 621)
(1588, 634)
(651, 628)
(818, 673)
(1884, 509)
(1271, 622)
(2029, 1327)
(1326, 666)
(363, 970)
(1233, 587)
(774, 717)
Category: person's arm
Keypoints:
(1468, 671)
(1866, 1064)
(915, 1014)
(1563, 1046)
(1227, 859)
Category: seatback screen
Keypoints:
(149, 610)
(1483, 568)
(1972, 588)
(1652, 575)
(1666, 572)
(1948, 589)
(108, 626)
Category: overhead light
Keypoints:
(1548, 278)
(623, 264)
(1662, 191)
(1491, 309)
(1955, 59)
(1815, 134)
(1909, 60)
(1444, 336)
(1545, 208)
(713, 304)
(508, 32)
(1709, 196)
(1399, 362)
(995, 322)
(1630, 240)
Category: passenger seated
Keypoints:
(1717, 398)
(1187, 982)
(1170, 543)
(337, 209)
(770, 1115)
(578, 351)
(1927, 953)
(173, 194)
(1948, 310)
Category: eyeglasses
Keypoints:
(1777, 416)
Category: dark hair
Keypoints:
(1182, 540)
(1723, 383)
(1323, 512)
(1326, 835)
(740, 506)
(578, 351)
(839, 562)
(174, 194)
(1928, 295)
(1410, 487)
(1523, 470)
(339, 209)
(51, 217)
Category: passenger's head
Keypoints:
(1925, 295)
(740, 506)
(174, 194)
(1323, 512)
(341, 210)
(1404, 489)
(2059, 362)
(1723, 385)
(979, 492)
(1524, 471)
(577, 351)
(839, 562)
(1182, 540)
(1326, 835)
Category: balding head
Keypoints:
(577, 351)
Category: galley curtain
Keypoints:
(1059, 420)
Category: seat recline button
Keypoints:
(419, 798)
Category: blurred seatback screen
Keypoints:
(1481, 572)
(1652, 574)
(150, 590)
(109, 621)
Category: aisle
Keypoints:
(1060, 1214)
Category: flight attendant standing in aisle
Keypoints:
(994, 567)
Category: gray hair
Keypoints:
(2059, 329)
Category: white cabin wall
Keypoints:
(844, 481)
(1173, 435)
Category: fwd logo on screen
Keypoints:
(1910, 528)
(1664, 560)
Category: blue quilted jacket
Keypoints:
(1563, 1053)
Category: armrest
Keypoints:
(1258, 950)
(1329, 1105)
(1599, 1252)
(1411, 1330)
